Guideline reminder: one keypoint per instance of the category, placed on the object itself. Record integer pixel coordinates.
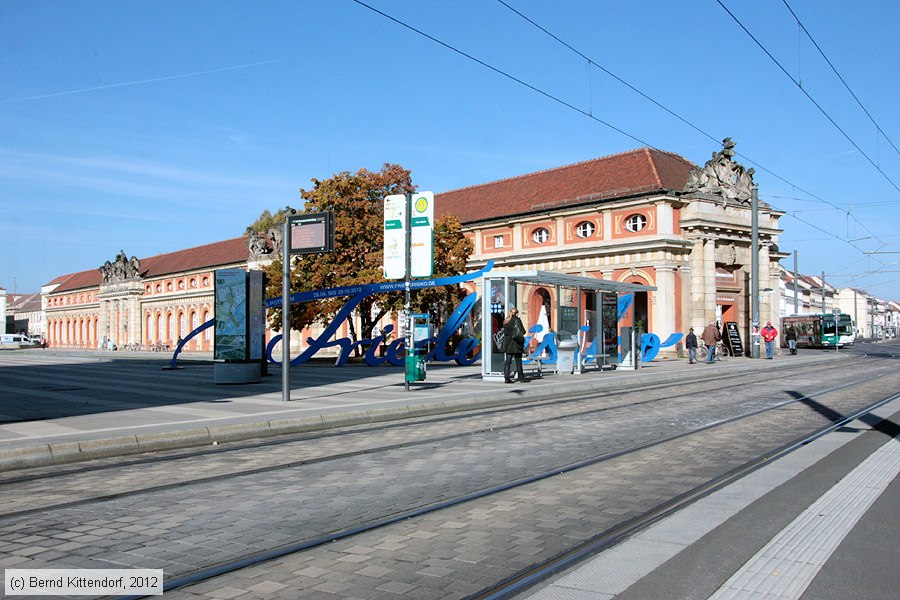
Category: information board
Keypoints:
(733, 338)
(311, 233)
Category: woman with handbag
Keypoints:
(513, 345)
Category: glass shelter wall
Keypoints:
(583, 309)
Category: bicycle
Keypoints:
(721, 352)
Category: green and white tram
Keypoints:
(819, 330)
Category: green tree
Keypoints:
(266, 221)
(356, 199)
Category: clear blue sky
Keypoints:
(156, 126)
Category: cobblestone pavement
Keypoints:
(109, 477)
(188, 528)
(458, 551)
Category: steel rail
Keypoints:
(569, 557)
(353, 453)
(543, 401)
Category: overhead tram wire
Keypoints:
(833, 68)
(807, 94)
(684, 120)
(613, 75)
(601, 121)
(505, 74)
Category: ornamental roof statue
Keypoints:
(121, 269)
(722, 176)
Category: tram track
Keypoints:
(570, 554)
(39, 492)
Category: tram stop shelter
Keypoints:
(573, 321)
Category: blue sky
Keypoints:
(156, 126)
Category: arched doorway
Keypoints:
(540, 299)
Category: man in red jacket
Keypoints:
(769, 334)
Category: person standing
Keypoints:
(513, 345)
(791, 336)
(710, 336)
(690, 342)
(769, 334)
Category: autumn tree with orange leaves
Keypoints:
(356, 200)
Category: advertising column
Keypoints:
(239, 311)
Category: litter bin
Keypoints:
(565, 360)
(415, 366)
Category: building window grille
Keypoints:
(635, 223)
(585, 229)
(499, 241)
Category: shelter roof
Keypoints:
(570, 281)
(209, 255)
(644, 170)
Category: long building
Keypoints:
(645, 216)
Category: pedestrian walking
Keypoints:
(769, 334)
(513, 345)
(791, 336)
(690, 342)
(710, 336)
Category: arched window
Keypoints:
(159, 327)
(635, 223)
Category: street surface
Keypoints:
(441, 506)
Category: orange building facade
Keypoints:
(646, 217)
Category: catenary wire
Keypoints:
(807, 94)
(846, 85)
(606, 123)
(682, 119)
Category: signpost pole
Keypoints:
(410, 351)
(286, 311)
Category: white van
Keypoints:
(15, 339)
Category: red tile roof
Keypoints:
(210, 255)
(616, 176)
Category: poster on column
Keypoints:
(231, 314)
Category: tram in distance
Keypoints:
(819, 330)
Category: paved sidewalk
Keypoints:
(58, 407)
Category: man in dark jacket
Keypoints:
(690, 342)
(791, 337)
(513, 345)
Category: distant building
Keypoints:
(23, 314)
(153, 300)
(3, 310)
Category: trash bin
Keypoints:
(415, 366)
(565, 360)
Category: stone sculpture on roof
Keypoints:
(722, 176)
(121, 269)
(264, 244)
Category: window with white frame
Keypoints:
(499, 241)
(540, 235)
(585, 229)
(635, 223)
